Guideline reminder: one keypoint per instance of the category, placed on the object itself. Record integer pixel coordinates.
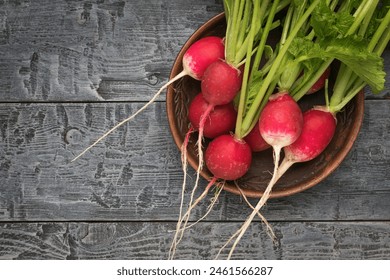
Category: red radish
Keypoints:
(220, 83)
(201, 54)
(221, 120)
(255, 140)
(195, 61)
(280, 121)
(319, 126)
(320, 82)
(280, 125)
(228, 158)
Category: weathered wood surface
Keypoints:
(93, 50)
(69, 70)
(306, 240)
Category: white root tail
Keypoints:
(270, 231)
(180, 75)
(260, 204)
(179, 233)
(209, 208)
(202, 122)
(184, 167)
(185, 218)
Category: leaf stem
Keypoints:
(274, 68)
(251, 36)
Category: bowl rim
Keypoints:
(277, 192)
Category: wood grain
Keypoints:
(135, 174)
(302, 240)
(93, 50)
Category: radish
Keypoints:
(316, 133)
(221, 119)
(201, 54)
(280, 125)
(210, 121)
(280, 118)
(195, 61)
(255, 140)
(319, 126)
(280, 121)
(228, 158)
(220, 83)
(320, 82)
(224, 79)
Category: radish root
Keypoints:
(202, 122)
(184, 167)
(184, 219)
(260, 204)
(209, 208)
(270, 231)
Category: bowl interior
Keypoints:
(300, 176)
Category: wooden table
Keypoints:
(70, 70)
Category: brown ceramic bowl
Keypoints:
(300, 176)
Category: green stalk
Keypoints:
(298, 13)
(351, 94)
(251, 37)
(380, 47)
(241, 22)
(286, 25)
(282, 4)
(226, 9)
(271, 74)
(378, 40)
(327, 93)
(243, 48)
(232, 33)
(245, 21)
(264, 36)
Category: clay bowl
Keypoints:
(301, 176)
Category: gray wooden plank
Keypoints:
(93, 50)
(142, 240)
(135, 174)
